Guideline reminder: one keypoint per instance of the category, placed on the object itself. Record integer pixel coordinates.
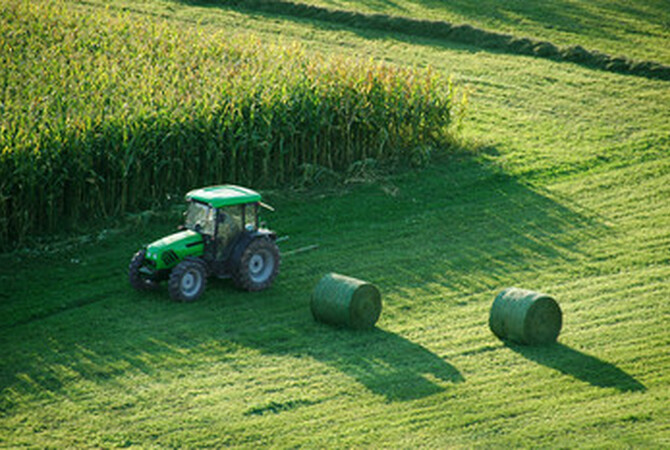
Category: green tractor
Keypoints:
(221, 237)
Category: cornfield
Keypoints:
(111, 113)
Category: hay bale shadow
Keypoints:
(385, 363)
(390, 365)
(580, 365)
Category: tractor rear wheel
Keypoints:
(187, 280)
(138, 280)
(259, 265)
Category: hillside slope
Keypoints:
(562, 187)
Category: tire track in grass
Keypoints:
(24, 306)
(446, 31)
(78, 303)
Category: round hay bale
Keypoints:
(345, 301)
(525, 317)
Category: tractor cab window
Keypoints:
(230, 223)
(200, 218)
(251, 216)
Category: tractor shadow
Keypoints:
(579, 365)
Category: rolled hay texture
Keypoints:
(345, 301)
(525, 317)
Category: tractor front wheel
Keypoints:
(259, 265)
(137, 279)
(187, 280)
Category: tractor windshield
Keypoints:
(200, 218)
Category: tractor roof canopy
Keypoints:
(226, 195)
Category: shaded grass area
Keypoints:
(580, 365)
(462, 34)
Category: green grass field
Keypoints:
(562, 186)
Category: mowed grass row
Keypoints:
(108, 113)
(637, 31)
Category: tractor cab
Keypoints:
(221, 235)
(221, 213)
